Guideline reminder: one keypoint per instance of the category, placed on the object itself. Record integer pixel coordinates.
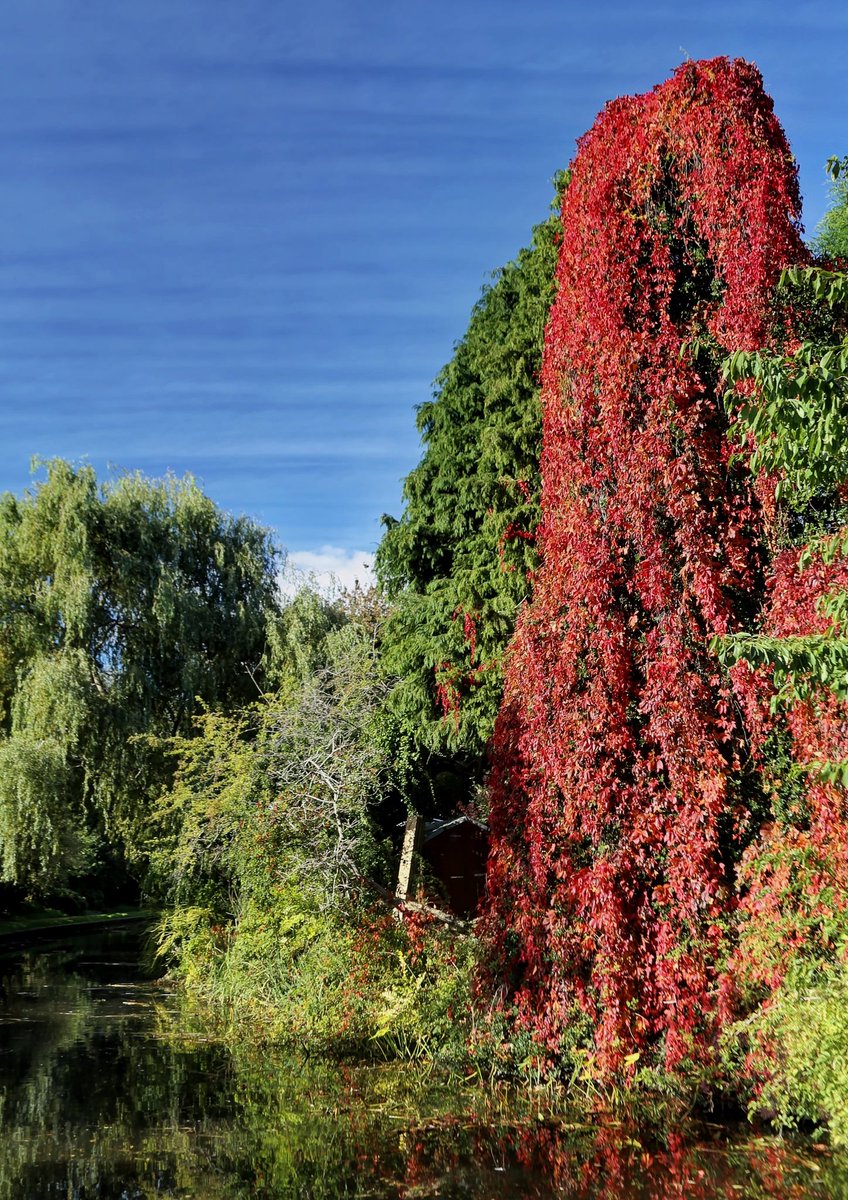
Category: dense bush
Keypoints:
(271, 852)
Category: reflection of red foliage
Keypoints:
(617, 741)
(613, 1163)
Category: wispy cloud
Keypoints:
(330, 568)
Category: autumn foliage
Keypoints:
(793, 877)
(618, 782)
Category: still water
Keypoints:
(108, 1091)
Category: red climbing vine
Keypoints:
(615, 786)
(794, 875)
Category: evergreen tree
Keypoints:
(457, 563)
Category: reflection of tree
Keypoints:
(547, 1160)
(81, 1081)
(30, 1061)
(322, 1130)
(33, 1036)
(110, 1088)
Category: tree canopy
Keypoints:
(122, 607)
(456, 565)
(832, 239)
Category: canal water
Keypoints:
(109, 1090)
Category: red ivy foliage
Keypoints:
(613, 801)
(818, 728)
(794, 876)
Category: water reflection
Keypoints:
(108, 1090)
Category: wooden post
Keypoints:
(410, 838)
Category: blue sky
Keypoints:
(240, 239)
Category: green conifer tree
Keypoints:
(457, 563)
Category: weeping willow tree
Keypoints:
(122, 608)
(832, 239)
